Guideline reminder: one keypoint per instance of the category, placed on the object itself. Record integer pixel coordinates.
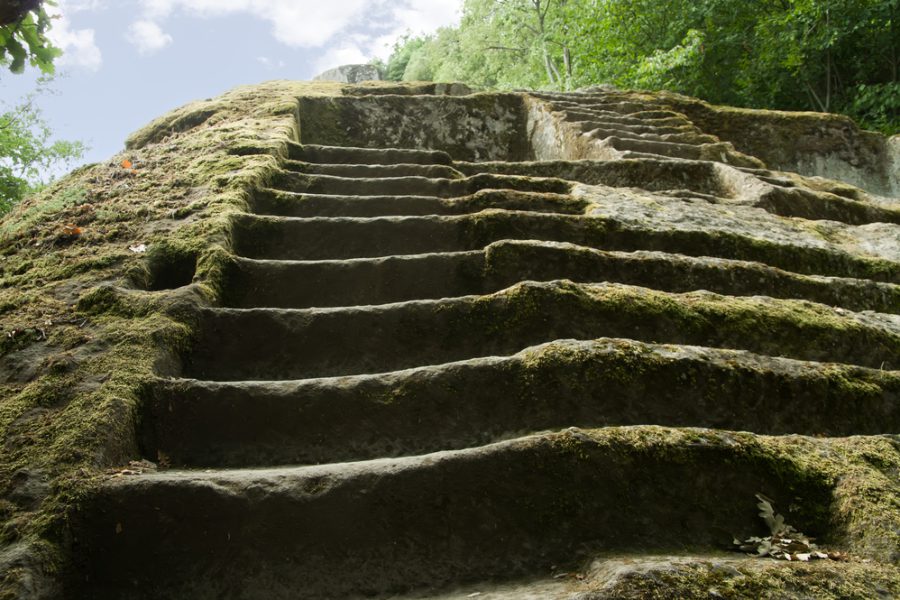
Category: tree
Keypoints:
(27, 153)
(23, 35)
(825, 55)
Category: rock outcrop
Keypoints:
(406, 341)
(350, 74)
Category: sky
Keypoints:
(127, 62)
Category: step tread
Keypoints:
(686, 577)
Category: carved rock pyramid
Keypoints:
(526, 345)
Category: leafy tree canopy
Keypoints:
(23, 35)
(825, 55)
(27, 152)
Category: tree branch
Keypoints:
(13, 11)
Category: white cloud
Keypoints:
(78, 45)
(345, 54)
(71, 6)
(427, 15)
(270, 64)
(147, 36)
(308, 25)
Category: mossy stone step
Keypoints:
(651, 174)
(688, 577)
(346, 282)
(805, 204)
(373, 170)
(379, 156)
(650, 147)
(785, 245)
(603, 131)
(505, 510)
(413, 185)
(270, 201)
(237, 344)
(598, 383)
(616, 121)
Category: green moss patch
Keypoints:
(86, 315)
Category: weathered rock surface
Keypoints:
(522, 345)
(350, 74)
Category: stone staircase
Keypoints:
(630, 129)
(432, 375)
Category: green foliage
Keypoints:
(24, 40)
(27, 152)
(404, 49)
(824, 55)
(877, 105)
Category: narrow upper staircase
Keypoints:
(428, 377)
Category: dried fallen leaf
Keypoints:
(784, 543)
(71, 230)
(775, 522)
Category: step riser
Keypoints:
(372, 171)
(337, 155)
(505, 510)
(277, 344)
(376, 281)
(590, 384)
(274, 202)
(278, 284)
(410, 186)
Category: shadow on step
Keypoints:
(496, 512)
(190, 423)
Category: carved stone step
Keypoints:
(294, 204)
(667, 149)
(302, 284)
(370, 171)
(603, 131)
(789, 247)
(636, 576)
(236, 344)
(344, 154)
(412, 186)
(598, 383)
(635, 125)
(506, 510)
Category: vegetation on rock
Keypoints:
(823, 55)
(27, 151)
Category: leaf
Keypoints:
(767, 512)
(127, 164)
(71, 230)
